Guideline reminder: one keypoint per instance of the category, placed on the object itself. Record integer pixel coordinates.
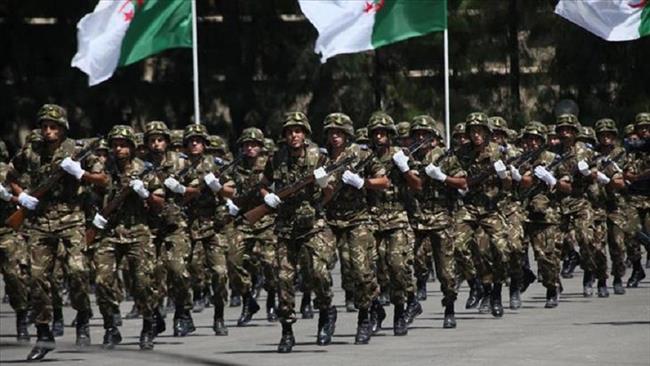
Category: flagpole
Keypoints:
(195, 65)
(447, 124)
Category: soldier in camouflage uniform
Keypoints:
(434, 222)
(637, 173)
(574, 178)
(459, 135)
(480, 209)
(170, 228)
(126, 236)
(361, 137)
(347, 215)
(54, 220)
(176, 140)
(394, 233)
(299, 226)
(207, 214)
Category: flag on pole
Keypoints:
(611, 20)
(346, 26)
(122, 32)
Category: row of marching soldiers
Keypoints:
(391, 202)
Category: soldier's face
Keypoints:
(380, 137)
(533, 142)
(633, 137)
(157, 144)
(102, 155)
(477, 135)
(419, 135)
(499, 137)
(566, 133)
(643, 131)
(195, 145)
(405, 141)
(606, 138)
(251, 149)
(336, 138)
(51, 131)
(553, 140)
(122, 149)
(461, 139)
(295, 136)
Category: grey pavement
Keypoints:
(581, 331)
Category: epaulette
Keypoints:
(183, 155)
(323, 151)
(219, 161)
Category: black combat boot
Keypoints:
(57, 323)
(552, 298)
(515, 294)
(364, 327)
(305, 306)
(112, 336)
(588, 284)
(235, 299)
(198, 305)
(400, 328)
(134, 313)
(349, 302)
(170, 307)
(618, 286)
(475, 293)
(180, 325)
(117, 319)
(271, 311)
(248, 309)
(497, 308)
(570, 263)
(377, 316)
(638, 274)
(147, 334)
(602, 288)
(22, 334)
(449, 321)
(287, 341)
(384, 298)
(218, 324)
(326, 325)
(44, 343)
(159, 323)
(421, 293)
(189, 322)
(83, 329)
(528, 279)
(486, 299)
(413, 309)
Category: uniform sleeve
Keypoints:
(451, 166)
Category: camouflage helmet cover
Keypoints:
(587, 133)
(193, 130)
(176, 137)
(103, 145)
(606, 125)
(403, 129)
(361, 136)
(424, 123)
(498, 123)
(269, 145)
(156, 128)
(217, 143)
(340, 121)
(381, 120)
(642, 119)
(251, 134)
(478, 119)
(567, 120)
(629, 130)
(459, 129)
(122, 132)
(535, 128)
(54, 113)
(296, 119)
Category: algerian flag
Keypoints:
(349, 26)
(612, 20)
(121, 32)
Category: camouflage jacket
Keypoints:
(300, 214)
(603, 198)
(172, 165)
(391, 204)
(247, 180)
(484, 196)
(568, 171)
(6, 208)
(350, 206)
(638, 163)
(539, 201)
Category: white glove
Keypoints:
(272, 200)
(212, 182)
(435, 172)
(545, 176)
(174, 185)
(353, 179)
(27, 201)
(321, 177)
(138, 187)
(402, 161)
(514, 173)
(583, 167)
(616, 167)
(500, 168)
(5, 195)
(100, 221)
(463, 192)
(72, 167)
(602, 178)
(233, 210)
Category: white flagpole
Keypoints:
(447, 124)
(195, 65)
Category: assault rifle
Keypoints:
(256, 213)
(16, 219)
(515, 161)
(114, 204)
(224, 169)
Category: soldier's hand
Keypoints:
(27, 201)
(174, 185)
(545, 176)
(100, 221)
(213, 182)
(435, 173)
(515, 174)
(583, 168)
(233, 210)
(402, 161)
(353, 179)
(321, 177)
(272, 200)
(138, 187)
(72, 167)
(5, 195)
(500, 168)
(601, 178)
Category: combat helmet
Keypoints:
(361, 136)
(193, 130)
(251, 134)
(587, 134)
(567, 120)
(424, 123)
(535, 128)
(478, 119)
(156, 128)
(606, 125)
(403, 129)
(629, 130)
(642, 119)
(122, 132)
(269, 145)
(176, 137)
(381, 120)
(296, 119)
(498, 123)
(340, 121)
(459, 129)
(54, 113)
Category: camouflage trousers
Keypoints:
(546, 240)
(211, 267)
(516, 252)
(610, 233)
(494, 252)
(637, 231)
(313, 254)
(138, 250)
(423, 254)
(171, 275)
(14, 266)
(240, 271)
(592, 252)
(467, 256)
(260, 259)
(353, 243)
(395, 252)
(442, 246)
(44, 247)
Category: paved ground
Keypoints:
(613, 331)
